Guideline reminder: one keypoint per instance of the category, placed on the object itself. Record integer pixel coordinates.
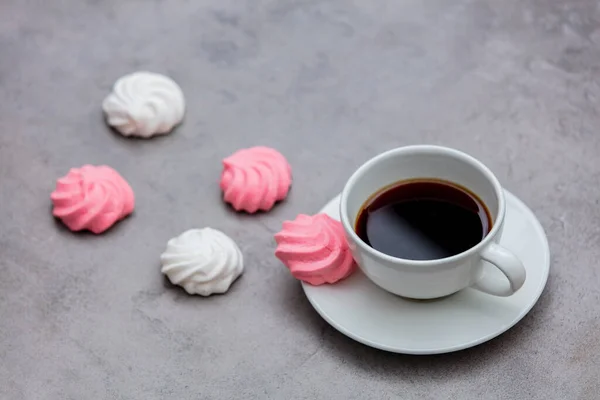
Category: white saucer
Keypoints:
(364, 312)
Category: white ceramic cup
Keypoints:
(432, 278)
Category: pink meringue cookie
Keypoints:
(92, 198)
(255, 179)
(315, 250)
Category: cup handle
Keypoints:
(509, 265)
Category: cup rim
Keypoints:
(422, 149)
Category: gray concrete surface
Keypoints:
(329, 83)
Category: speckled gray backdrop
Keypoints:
(329, 83)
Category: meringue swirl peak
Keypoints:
(202, 261)
(92, 198)
(255, 179)
(315, 250)
(144, 104)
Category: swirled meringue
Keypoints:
(92, 198)
(254, 179)
(202, 261)
(314, 249)
(144, 104)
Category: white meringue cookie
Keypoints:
(144, 104)
(202, 261)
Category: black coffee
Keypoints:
(423, 219)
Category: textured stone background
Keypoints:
(329, 83)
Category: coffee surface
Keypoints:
(423, 219)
